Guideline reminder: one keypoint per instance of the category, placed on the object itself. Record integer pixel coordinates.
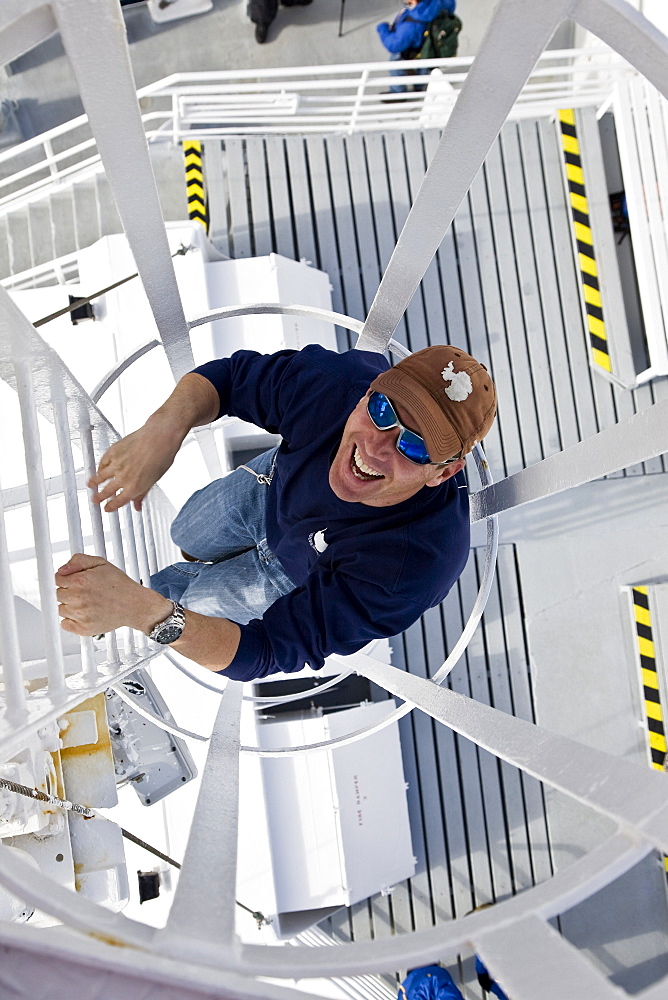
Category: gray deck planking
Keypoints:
(524, 380)
(216, 194)
(518, 682)
(504, 285)
(240, 230)
(281, 201)
(484, 294)
(347, 236)
(545, 277)
(431, 288)
(301, 199)
(521, 211)
(324, 216)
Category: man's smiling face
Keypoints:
(368, 468)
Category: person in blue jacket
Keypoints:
(430, 982)
(403, 38)
(349, 530)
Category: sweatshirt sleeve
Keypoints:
(315, 620)
(254, 387)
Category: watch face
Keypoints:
(169, 633)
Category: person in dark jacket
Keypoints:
(349, 530)
(403, 38)
(263, 12)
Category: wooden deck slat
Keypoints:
(427, 768)
(369, 266)
(430, 293)
(456, 325)
(262, 233)
(575, 345)
(473, 216)
(300, 188)
(347, 236)
(281, 202)
(383, 210)
(520, 868)
(240, 237)
(546, 279)
(469, 765)
(521, 211)
(522, 701)
(395, 152)
(217, 195)
(424, 800)
(495, 808)
(328, 252)
(511, 300)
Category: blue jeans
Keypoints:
(224, 525)
(400, 88)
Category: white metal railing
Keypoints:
(340, 98)
(137, 541)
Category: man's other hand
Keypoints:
(94, 596)
(131, 466)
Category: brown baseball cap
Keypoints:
(449, 396)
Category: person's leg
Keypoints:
(418, 71)
(224, 524)
(226, 517)
(397, 88)
(262, 13)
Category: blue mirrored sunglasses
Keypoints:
(409, 444)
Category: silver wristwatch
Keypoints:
(171, 628)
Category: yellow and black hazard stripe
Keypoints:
(653, 708)
(584, 240)
(198, 208)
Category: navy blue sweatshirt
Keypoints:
(383, 566)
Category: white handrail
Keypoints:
(321, 98)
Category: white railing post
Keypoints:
(15, 696)
(40, 520)
(359, 101)
(95, 510)
(71, 495)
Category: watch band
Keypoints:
(170, 629)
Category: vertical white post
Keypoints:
(118, 553)
(40, 520)
(94, 37)
(150, 536)
(141, 549)
(99, 544)
(15, 698)
(71, 496)
(359, 98)
(132, 566)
